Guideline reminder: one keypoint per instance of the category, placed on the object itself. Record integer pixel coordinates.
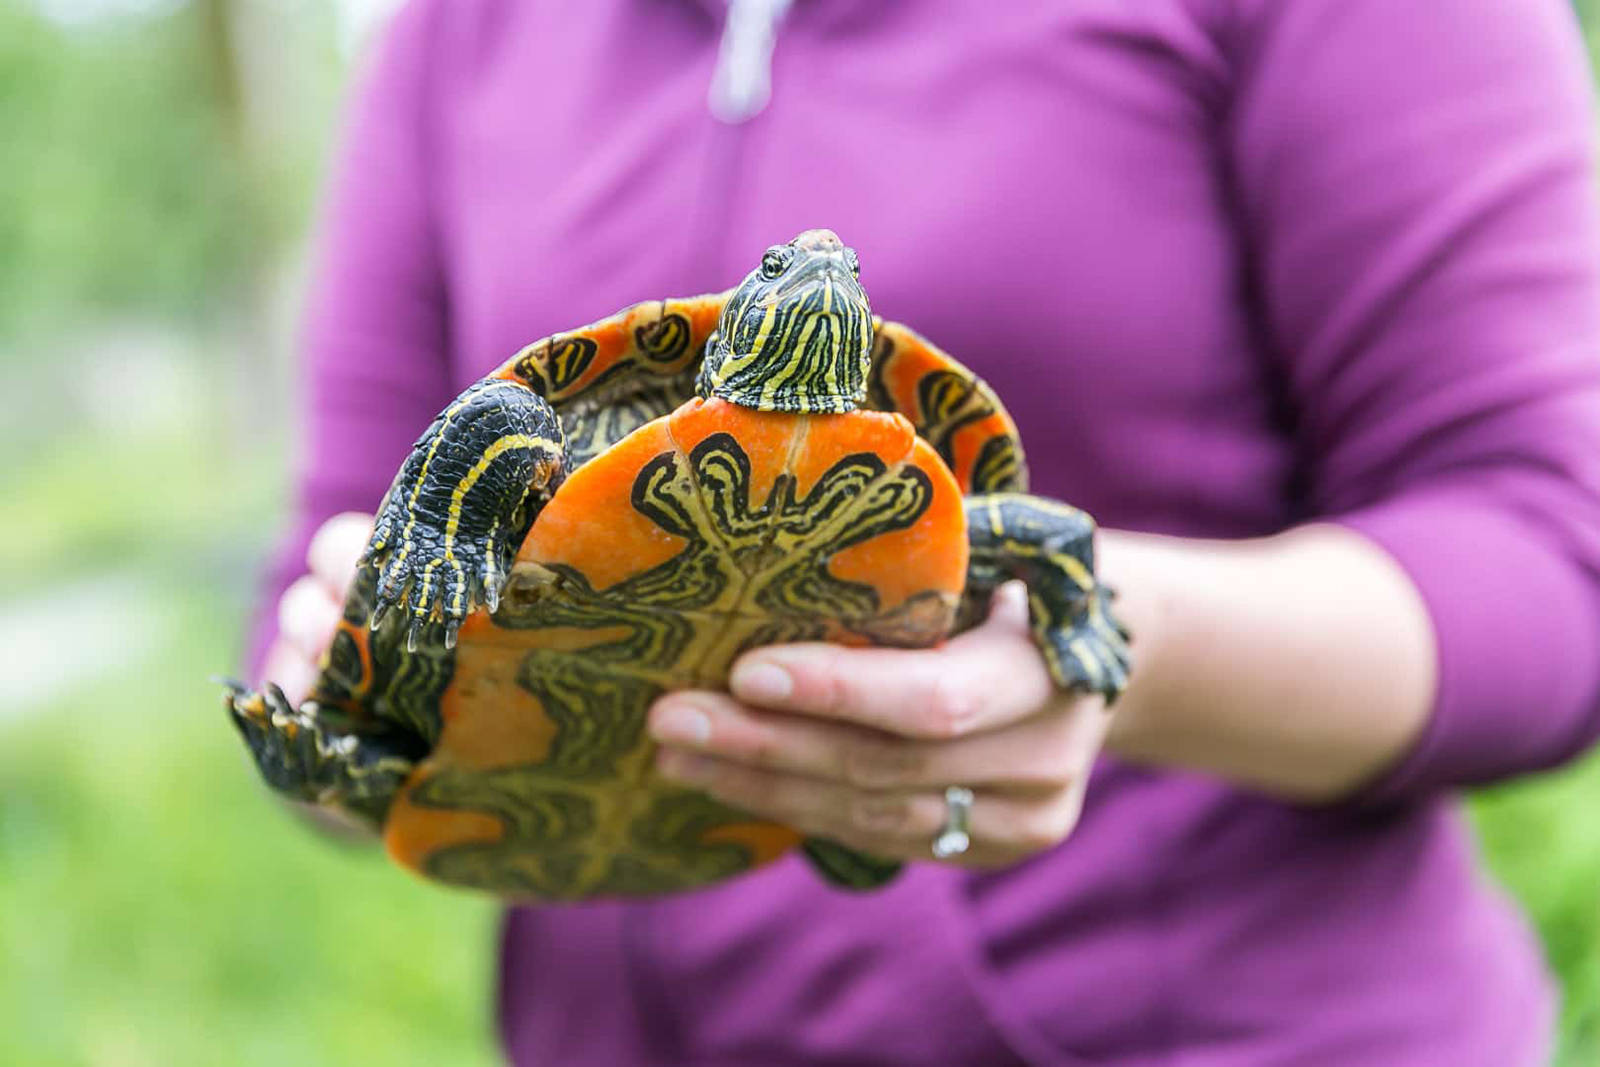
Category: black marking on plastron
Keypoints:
(721, 471)
(857, 499)
(543, 824)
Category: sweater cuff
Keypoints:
(1515, 634)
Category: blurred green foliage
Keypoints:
(155, 907)
(122, 198)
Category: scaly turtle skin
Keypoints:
(624, 509)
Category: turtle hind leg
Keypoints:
(451, 523)
(847, 868)
(1050, 546)
(306, 754)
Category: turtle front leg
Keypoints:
(1049, 546)
(309, 755)
(452, 522)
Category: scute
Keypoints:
(698, 536)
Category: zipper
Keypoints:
(741, 84)
(740, 88)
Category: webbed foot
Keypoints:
(1050, 546)
(315, 756)
(450, 526)
(1091, 653)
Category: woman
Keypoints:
(1310, 290)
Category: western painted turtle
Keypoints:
(623, 509)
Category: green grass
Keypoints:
(156, 907)
(1542, 838)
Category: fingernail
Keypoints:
(761, 683)
(681, 724)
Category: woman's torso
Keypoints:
(1043, 189)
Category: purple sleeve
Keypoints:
(373, 370)
(1417, 186)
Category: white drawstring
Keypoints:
(742, 83)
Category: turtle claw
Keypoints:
(234, 687)
(491, 579)
(317, 757)
(435, 587)
(1093, 656)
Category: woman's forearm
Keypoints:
(1301, 664)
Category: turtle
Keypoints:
(623, 509)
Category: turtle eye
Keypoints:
(773, 262)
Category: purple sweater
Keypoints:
(1236, 264)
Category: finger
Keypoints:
(886, 824)
(307, 617)
(290, 670)
(335, 548)
(982, 679)
(897, 825)
(1041, 753)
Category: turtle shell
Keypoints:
(701, 534)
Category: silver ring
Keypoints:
(954, 839)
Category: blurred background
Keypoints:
(159, 162)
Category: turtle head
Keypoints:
(797, 333)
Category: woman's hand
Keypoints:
(858, 745)
(308, 612)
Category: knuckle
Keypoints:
(948, 710)
(762, 747)
(877, 814)
(1051, 762)
(834, 692)
(1048, 826)
(874, 764)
